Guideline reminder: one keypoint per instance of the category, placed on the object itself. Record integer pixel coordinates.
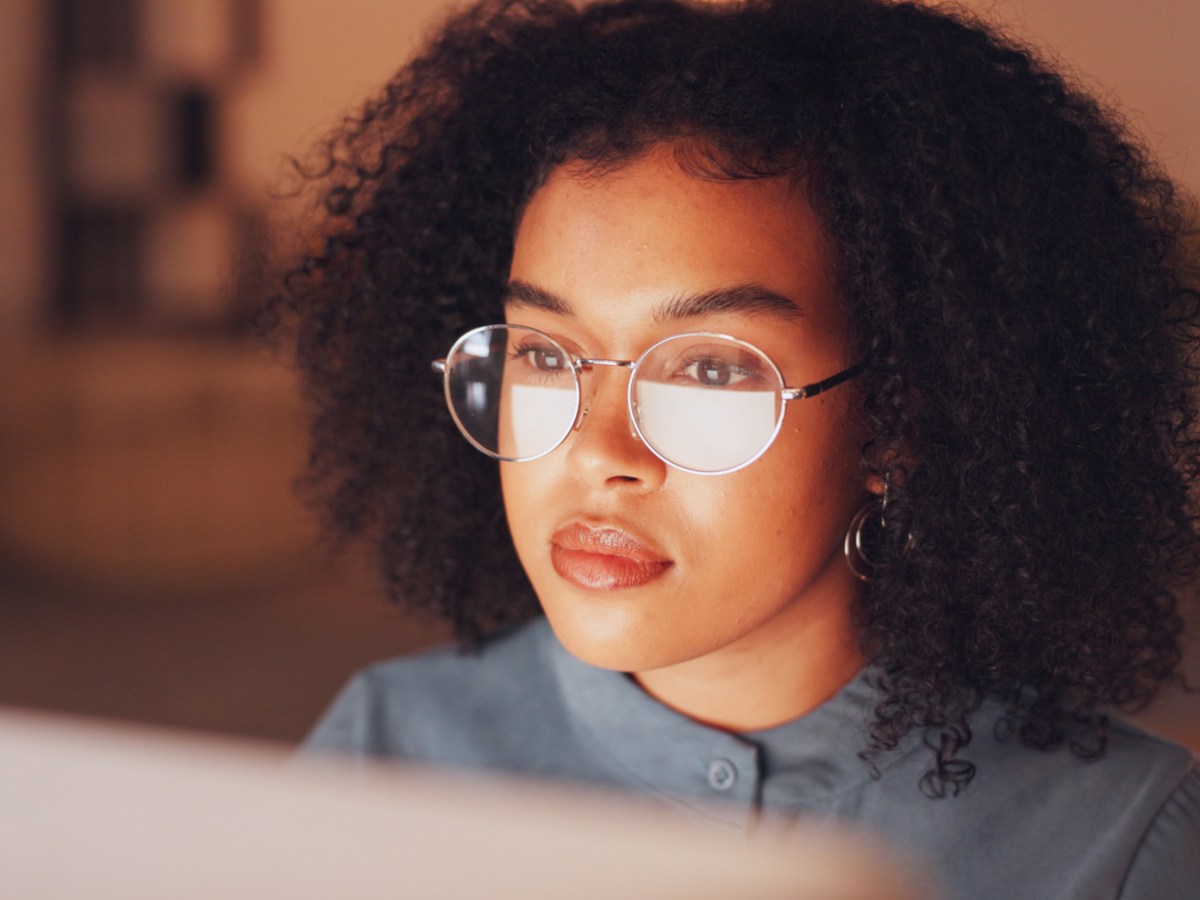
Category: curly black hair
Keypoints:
(1010, 257)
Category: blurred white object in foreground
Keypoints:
(94, 811)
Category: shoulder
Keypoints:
(1141, 761)
(1161, 779)
(1136, 771)
(1167, 863)
(1038, 823)
(1119, 818)
(446, 704)
(516, 658)
(1110, 800)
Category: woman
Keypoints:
(837, 358)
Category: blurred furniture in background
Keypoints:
(132, 466)
(147, 223)
(155, 561)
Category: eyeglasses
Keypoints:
(704, 403)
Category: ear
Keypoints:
(875, 485)
(898, 464)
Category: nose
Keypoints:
(604, 449)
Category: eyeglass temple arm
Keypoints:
(811, 390)
(438, 366)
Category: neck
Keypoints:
(768, 677)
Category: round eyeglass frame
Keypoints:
(579, 363)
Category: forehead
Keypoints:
(620, 244)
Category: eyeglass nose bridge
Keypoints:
(585, 399)
(619, 363)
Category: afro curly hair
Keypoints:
(1009, 256)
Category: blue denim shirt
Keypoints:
(1032, 824)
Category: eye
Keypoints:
(714, 371)
(543, 358)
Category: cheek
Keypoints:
(751, 525)
(811, 487)
(514, 490)
(825, 442)
(523, 487)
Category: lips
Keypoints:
(604, 558)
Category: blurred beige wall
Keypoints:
(1139, 54)
(320, 60)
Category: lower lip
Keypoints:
(602, 571)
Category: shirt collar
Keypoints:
(660, 751)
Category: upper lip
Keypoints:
(606, 539)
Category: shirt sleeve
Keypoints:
(1167, 865)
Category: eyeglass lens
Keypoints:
(704, 403)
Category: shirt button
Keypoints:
(721, 775)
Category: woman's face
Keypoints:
(640, 566)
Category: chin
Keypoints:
(608, 639)
(615, 642)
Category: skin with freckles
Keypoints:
(727, 597)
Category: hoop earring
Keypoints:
(858, 558)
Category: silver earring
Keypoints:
(858, 558)
(866, 533)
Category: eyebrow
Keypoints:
(743, 298)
